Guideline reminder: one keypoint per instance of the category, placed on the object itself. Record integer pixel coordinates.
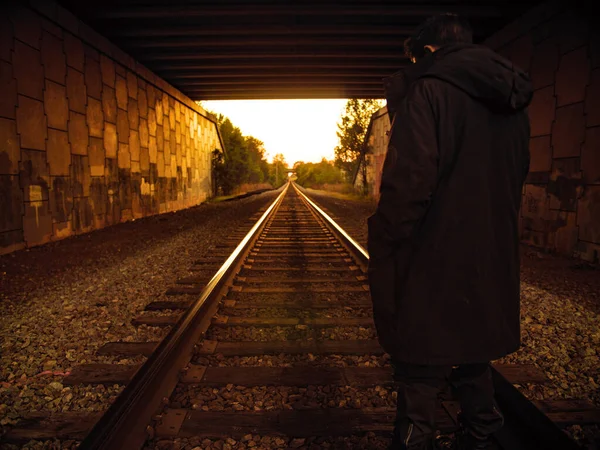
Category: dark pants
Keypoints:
(418, 390)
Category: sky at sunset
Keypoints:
(303, 130)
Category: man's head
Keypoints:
(435, 32)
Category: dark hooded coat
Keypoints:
(443, 243)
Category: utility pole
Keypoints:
(276, 173)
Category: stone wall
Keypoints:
(88, 137)
(377, 141)
(560, 49)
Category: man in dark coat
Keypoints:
(443, 243)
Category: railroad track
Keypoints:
(279, 344)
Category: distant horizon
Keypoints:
(300, 129)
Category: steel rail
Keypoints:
(124, 424)
(525, 427)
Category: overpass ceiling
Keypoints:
(266, 49)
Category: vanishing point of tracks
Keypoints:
(287, 313)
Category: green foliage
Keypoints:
(243, 162)
(315, 175)
(352, 130)
(278, 171)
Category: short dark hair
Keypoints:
(438, 30)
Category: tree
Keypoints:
(278, 172)
(352, 130)
(244, 160)
(316, 175)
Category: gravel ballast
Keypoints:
(60, 302)
(560, 315)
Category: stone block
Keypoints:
(93, 78)
(572, 77)
(135, 167)
(143, 133)
(590, 156)
(99, 197)
(125, 191)
(160, 140)
(110, 140)
(166, 102)
(587, 251)
(11, 199)
(124, 156)
(565, 239)
(33, 175)
(592, 100)
(78, 134)
(158, 109)
(8, 99)
(56, 105)
(109, 104)
(134, 145)
(541, 111)
(145, 161)
(132, 85)
(151, 92)
(564, 186)
(121, 90)
(172, 145)
(152, 149)
(76, 91)
(10, 152)
(111, 175)
(26, 25)
(568, 131)
(95, 117)
(27, 67)
(6, 38)
(61, 230)
(31, 123)
(177, 111)
(544, 63)
(59, 152)
(160, 164)
(588, 215)
(83, 215)
(37, 223)
(171, 118)
(151, 122)
(61, 199)
(11, 241)
(133, 114)
(142, 103)
(122, 126)
(74, 52)
(53, 58)
(107, 66)
(97, 155)
(80, 176)
(178, 133)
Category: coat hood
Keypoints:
(477, 70)
(484, 75)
